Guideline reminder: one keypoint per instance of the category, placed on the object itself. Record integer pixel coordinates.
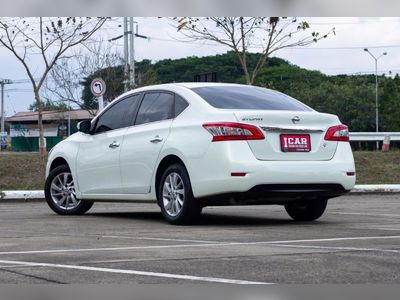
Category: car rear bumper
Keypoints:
(211, 175)
(276, 194)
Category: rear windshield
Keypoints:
(248, 97)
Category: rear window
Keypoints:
(248, 97)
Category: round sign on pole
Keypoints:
(98, 87)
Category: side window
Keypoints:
(119, 115)
(180, 105)
(155, 107)
(131, 112)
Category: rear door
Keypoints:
(143, 141)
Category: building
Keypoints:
(24, 131)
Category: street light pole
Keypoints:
(2, 83)
(376, 91)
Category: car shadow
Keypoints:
(143, 215)
(209, 219)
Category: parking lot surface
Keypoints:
(356, 241)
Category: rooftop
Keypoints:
(28, 116)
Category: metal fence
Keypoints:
(373, 136)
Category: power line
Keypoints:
(291, 48)
(361, 22)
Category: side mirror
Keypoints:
(84, 126)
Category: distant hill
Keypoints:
(352, 98)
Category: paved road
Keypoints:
(356, 241)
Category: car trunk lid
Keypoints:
(279, 127)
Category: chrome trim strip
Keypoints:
(289, 129)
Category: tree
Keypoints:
(351, 97)
(389, 103)
(47, 38)
(114, 78)
(49, 106)
(71, 73)
(266, 34)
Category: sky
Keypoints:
(339, 54)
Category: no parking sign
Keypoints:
(98, 88)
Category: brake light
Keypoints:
(227, 131)
(338, 133)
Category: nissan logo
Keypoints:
(295, 119)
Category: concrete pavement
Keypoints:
(356, 241)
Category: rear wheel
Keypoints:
(175, 196)
(306, 210)
(60, 193)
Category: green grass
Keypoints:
(375, 167)
(21, 171)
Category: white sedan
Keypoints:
(191, 145)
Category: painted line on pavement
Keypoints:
(156, 239)
(222, 244)
(132, 272)
(337, 248)
(366, 214)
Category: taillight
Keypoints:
(338, 133)
(227, 131)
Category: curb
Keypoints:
(376, 189)
(22, 195)
(358, 189)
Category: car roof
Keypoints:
(191, 85)
(178, 86)
(188, 85)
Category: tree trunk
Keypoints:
(42, 145)
(248, 81)
(243, 62)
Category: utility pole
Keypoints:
(376, 91)
(126, 65)
(2, 83)
(131, 53)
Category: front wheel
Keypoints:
(175, 196)
(306, 210)
(60, 193)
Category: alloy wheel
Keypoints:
(62, 191)
(173, 194)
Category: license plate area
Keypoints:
(295, 143)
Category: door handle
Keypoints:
(114, 145)
(156, 139)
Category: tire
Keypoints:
(307, 210)
(178, 205)
(60, 193)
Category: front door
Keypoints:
(98, 170)
(98, 160)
